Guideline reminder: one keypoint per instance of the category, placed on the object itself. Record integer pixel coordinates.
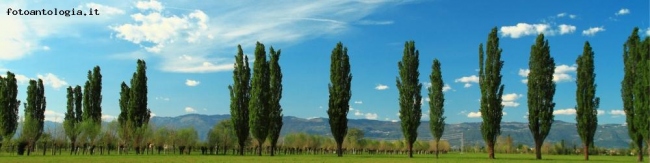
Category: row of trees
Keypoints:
(255, 102)
(635, 89)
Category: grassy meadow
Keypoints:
(444, 158)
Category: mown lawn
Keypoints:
(452, 158)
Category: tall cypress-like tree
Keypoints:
(259, 102)
(72, 123)
(339, 95)
(78, 103)
(276, 95)
(92, 107)
(34, 114)
(139, 113)
(631, 56)
(642, 91)
(490, 65)
(8, 107)
(436, 104)
(239, 98)
(409, 86)
(541, 90)
(586, 110)
(123, 118)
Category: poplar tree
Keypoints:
(34, 114)
(71, 122)
(490, 65)
(259, 102)
(276, 94)
(587, 102)
(92, 109)
(123, 118)
(339, 95)
(642, 91)
(139, 113)
(409, 87)
(631, 56)
(8, 107)
(436, 104)
(541, 90)
(239, 98)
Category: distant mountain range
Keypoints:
(607, 135)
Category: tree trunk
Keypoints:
(491, 150)
(410, 146)
(339, 149)
(44, 148)
(241, 149)
(272, 150)
(437, 148)
(538, 150)
(585, 149)
(259, 148)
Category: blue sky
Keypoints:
(189, 48)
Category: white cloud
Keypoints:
(105, 10)
(151, 4)
(210, 38)
(569, 111)
(592, 31)
(564, 14)
(504, 113)
(446, 88)
(393, 121)
(474, 114)
(381, 87)
(358, 113)
(573, 16)
(108, 118)
(358, 102)
(162, 98)
(46, 48)
(623, 11)
(600, 112)
(525, 29)
(566, 29)
(53, 116)
(351, 109)
(467, 80)
(617, 112)
(189, 110)
(560, 74)
(192, 83)
(372, 116)
(561, 14)
(510, 100)
(152, 114)
(373, 22)
(52, 80)
(647, 31)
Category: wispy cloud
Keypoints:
(617, 112)
(374, 22)
(446, 88)
(210, 38)
(52, 80)
(525, 29)
(358, 102)
(381, 87)
(592, 31)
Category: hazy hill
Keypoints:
(608, 135)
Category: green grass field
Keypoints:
(452, 158)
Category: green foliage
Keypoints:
(587, 102)
(339, 94)
(138, 112)
(409, 86)
(491, 90)
(240, 97)
(275, 116)
(92, 105)
(354, 139)
(222, 135)
(72, 123)
(541, 90)
(259, 102)
(436, 103)
(631, 57)
(8, 107)
(34, 112)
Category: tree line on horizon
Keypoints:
(257, 114)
